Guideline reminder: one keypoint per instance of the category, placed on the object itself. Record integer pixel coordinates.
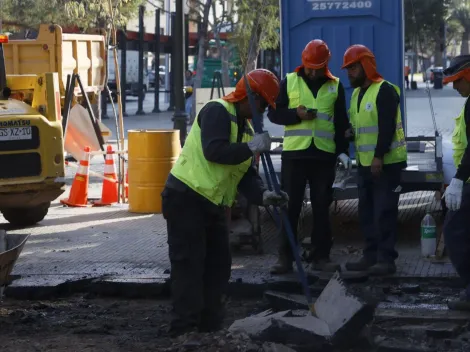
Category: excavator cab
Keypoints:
(32, 167)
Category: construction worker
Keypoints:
(380, 154)
(312, 107)
(457, 194)
(217, 159)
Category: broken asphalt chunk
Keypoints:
(340, 317)
(344, 311)
(258, 327)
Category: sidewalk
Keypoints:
(112, 246)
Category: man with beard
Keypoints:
(312, 107)
(381, 155)
(457, 194)
(216, 161)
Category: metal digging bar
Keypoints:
(11, 246)
(270, 173)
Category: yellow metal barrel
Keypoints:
(152, 154)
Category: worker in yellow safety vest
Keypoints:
(216, 162)
(457, 194)
(381, 155)
(312, 107)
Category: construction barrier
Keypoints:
(152, 154)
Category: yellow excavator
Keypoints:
(31, 144)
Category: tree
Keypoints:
(95, 13)
(225, 50)
(28, 14)
(84, 14)
(424, 21)
(204, 8)
(461, 14)
(256, 28)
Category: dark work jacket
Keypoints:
(215, 123)
(463, 171)
(285, 116)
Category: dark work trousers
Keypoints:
(295, 173)
(378, 212)
(457, 238)
(200, 258)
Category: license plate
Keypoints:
(15, 133)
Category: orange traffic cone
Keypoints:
(78, 196)
(109, 194)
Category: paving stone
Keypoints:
(410, 288)
(443, 330)
(398, 346)
(275, 347)
(345, 313)
(420, 314)
(283, 301)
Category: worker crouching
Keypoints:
(216, 161)
(312, 107)
(457, 195)
(381, 155)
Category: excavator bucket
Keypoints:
(11, 246)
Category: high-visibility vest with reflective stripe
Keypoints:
(322, 128)
(216, 182)
(366, 128)
(459, 138)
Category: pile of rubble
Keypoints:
(339, 319)
(224, 341)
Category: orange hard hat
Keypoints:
(316, 54)
(261, 81)
(355, 53)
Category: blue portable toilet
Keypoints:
(377, 24)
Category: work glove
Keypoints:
(346, 161)
(453, 194)
(277, 200)
(260, 143)
(343, 170)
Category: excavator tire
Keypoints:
(26, 216)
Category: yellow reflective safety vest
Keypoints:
(459, 138)
(366, 127)
(321, 129)
(216, 182)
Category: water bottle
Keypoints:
(428, 236)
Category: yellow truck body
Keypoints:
(64, 53)
(31, 149)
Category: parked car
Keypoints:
(428, 74)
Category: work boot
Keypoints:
(462, 303)
(283, 266)
(362, 265)
(383, 268)
(324, 265)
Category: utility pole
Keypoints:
(180, 118)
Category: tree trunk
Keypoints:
(223, 51)
(200, 55)
(201, 45)
(438, 60)
(464, 50)
(253, 50)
